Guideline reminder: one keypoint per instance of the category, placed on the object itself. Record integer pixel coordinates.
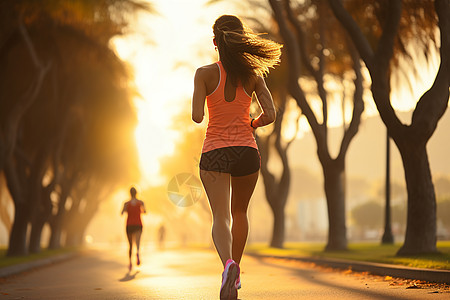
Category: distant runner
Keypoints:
(134, 208)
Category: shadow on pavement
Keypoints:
(129, 276)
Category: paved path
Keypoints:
(195, 274)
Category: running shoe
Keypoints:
(138, 260)
(228, 289)
(238, 282)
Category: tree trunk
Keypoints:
(74, 237)
(334, 175)
(76, 229)
(36, 234)
(18, 237)
(276, 191)
(39, 221)
(278, 231)
(15, 180)
(38, 216)
(421, 218)
(2, 149)
(55, 236)
(57, 222)
(78, 222)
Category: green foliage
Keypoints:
(6, 261)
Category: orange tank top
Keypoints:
(134, 213)
(229, 122)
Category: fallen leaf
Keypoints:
(414, 286)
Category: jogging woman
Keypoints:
(230, 161)
(134, 208)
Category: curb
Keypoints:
(430, 275)
(23, 267)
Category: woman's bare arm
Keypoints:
(124, 209)
(265, 102)
(143, 207)
(198, 99)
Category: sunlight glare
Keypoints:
(180, 35)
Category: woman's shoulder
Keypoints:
(209, 75)
(207, 69)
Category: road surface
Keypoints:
(196, 274)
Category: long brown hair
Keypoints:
(243, 53)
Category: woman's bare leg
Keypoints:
(138, 243)
(130, 247)
(217, 187)
(242, 188)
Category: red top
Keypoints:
(229, 122)
(134, 213)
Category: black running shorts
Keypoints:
(131, 229)
(235, 160)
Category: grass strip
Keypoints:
(6, 261)
(370, 252)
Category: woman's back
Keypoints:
(134, 209)
(212, 76)
(229, 113)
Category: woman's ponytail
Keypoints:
(242, 52)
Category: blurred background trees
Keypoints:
(381, 33)
(318, 52)
(400, 24)
(67, 120)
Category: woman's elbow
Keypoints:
(271, 116)
(197, 118)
